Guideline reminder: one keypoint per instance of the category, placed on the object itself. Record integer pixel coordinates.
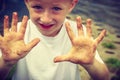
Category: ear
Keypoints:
(73, 4)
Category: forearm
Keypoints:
(98, 71)
(4, 69)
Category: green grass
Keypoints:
(109, 45)
(113, 63)
(114, 67)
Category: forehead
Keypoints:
(50, 1)
(63, 3)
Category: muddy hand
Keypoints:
(83, 46)
(12, 42)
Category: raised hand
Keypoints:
(83, 46)
(12, 42)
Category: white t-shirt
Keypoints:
(39, 65)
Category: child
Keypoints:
(48, 46)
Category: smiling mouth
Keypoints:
(46, 26)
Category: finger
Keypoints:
(61, 58)
(79, 25)
(32, 44)
(100, 37)
(14, 21)
(23, 25)
(88, 26)
(69, 31)
(6, 24)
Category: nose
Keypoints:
(46, 18)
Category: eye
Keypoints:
(57, 8)
(37, 7)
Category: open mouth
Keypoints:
(46, 26)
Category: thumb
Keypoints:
(61, 58)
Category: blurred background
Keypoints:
(104, 13)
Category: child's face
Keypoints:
(49, 15)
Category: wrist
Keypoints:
(90, 65)
(6, 64)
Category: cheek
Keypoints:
(33, 15)
(61, 19)
(34, 18)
